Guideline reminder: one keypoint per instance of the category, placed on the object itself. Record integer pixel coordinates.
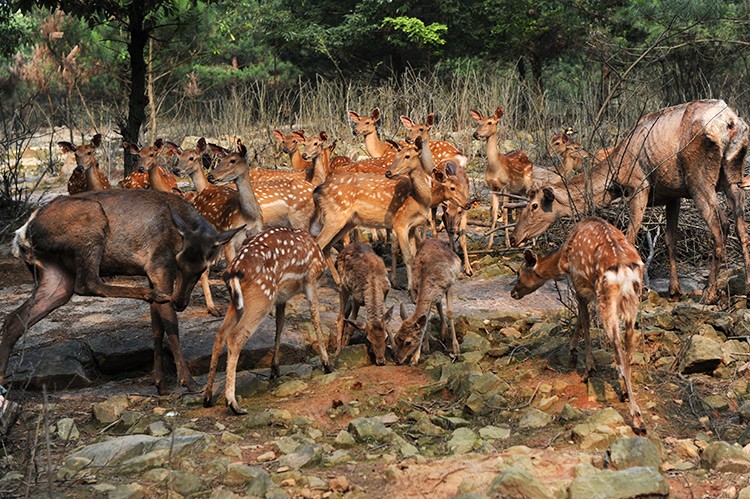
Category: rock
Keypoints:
(339, 484)
(123, 350)
(599, 430)
(534, 418)
(463, 440)
(703, 356)
(516, 482)
(64, 365)
(741, 321)
(67, 430)
(453, 375)
(744, 412)
(73, 467)
(222, 493)
(425, 427)
(744, 493)
(473, 342)
(632, 482)
(290, 388)
(449, 423)
(185, 483)
(260, 484)
(494, 433)
(305, 455)
(388, 419)
(110, 410)
(369, 429)
(344, 440)
(689, 315)
(129, 491)
(242, 474)
(631, 452)
(734, 350)
(266, 457)
(599, 390)
(270, 417)
(337, 457)
(158, 429)
(744, 438)
(717, 402)
(147, 461)
(570, 413)
(547, 402)
(721, 456)
(354, 357)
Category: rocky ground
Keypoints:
(508, 418)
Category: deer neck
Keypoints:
(318, 172)
(199, 179)
(548, 266)
(421, 185)
(298, 163)
(249, 205)
(158, 182)
(496, 162)
(374, 300)
(375, 147)
(93, 177)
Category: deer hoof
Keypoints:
(191, 386)
(236, 409)
(640, 430)
(275, 372)
(214, 311)
(327, 368)
(208, 400)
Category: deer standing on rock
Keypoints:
(87, 176)
(74, 241)
(511, 173)
(364, 281)
(436, 268)
(685, 151)
(271, 268)
(605, 268)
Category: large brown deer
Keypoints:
(74, 241)
(685, 151)
(367, 127)
(436, 268)
(511, 173)
(603, 267)
(87, 175)
(290, 145)
(270, 269)
(398, 201)
(364, 281)
(148, 169)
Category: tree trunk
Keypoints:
(137, 100)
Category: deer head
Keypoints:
(290, 143)
(85, 154)
(418, 129)
(558, 144)
(314, 146)
(407, 158)
(189, 161)
(546, 204)
(232, 164)
(408, 335)
(454, 191)
(147, 156)
(528, 279)
(367, 125)
(486, 125)
(378, 332)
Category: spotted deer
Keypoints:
(148, 174)
(271, 268)
(400, 200)
(685, 151)
(290, 145)
(87, 175)
(367, 127)
(604, 268)
(73, 241)
(436, 268)
(511, 173)
(364, 281)
(571, 153)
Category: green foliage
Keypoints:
(416, 31)
(15, 30)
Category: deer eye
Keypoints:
(191, 158)
(151, 155)
(534, 206)
(453, 188)
(89, 153)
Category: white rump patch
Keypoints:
(625, 277)
(234, 284)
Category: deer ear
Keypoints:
(67, 146)
(375, 114)
(173, 148)
(218, 150)
(354, 116)
(438, 175)
(242, 149)
(323, 136)
(499, 112)
(201, 145)
(450, 167)
(226, 236)
(388, 314)
(529, 257)
(408, 123)
(430, 119)
(418, 143)
(158, 143)
(549, 194)
(394, 144)
(278, 135)
(96, 140)
(355, 324)
(402, 312)
(178, 222)
(475, 115)
(131, 148)
(422, 320)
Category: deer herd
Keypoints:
(278, 229)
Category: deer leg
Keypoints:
(311, 292)
(443, 322)
(464, 247)
(168, 318)
(584, 321)
(736, 202)
(418, 351)
(53, 290)
(344, 310)
(236, 338)
(230, 322)
(210, 305)
(505, 221)
(157, 332)
(708, 205)
(639, 425)
(670, 237)
(280, 321)
(493, 218)
(433, 215)
(451, 324)
(348, 329)
(402, 235)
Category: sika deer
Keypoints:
(74, 241)
(436, 268)
(87, 176)
(603, 267)
(685, 151)
(571, 153)
(364, 281)
(290, 145)
(270, 269)
(511, 173)
(148, 174)
(367, 127)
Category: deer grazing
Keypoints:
(436, 268)
(685, 151)
(603, 267)
(367, 127)
(271, 268)
(148, 174)
(290, 145)
(74, 241)
(363, 282)
(87, 176)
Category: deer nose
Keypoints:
(388, 173)
(176, 171)
(211, 178)
(305, 156)
(468, 205)
(141, 169)
(514, 294)
(475, 135)
(354, 132)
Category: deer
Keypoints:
(290, 145)
(571, 153)
(441, 150)
(512, 173)
(686, 151)
(367, 127)
(364, 281)
(87, 175)
(271, 268)
(399, 200)
(436, 268)
(604, 267)
(73, 241)
(148, 174)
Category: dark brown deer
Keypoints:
(364, 281)
(87, 176)
(603, 267)
(290, 145)
(270, 269)
(686, 151)
(436, 268)
(74, 241)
